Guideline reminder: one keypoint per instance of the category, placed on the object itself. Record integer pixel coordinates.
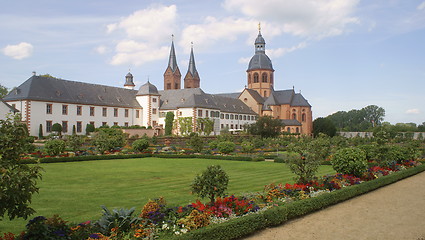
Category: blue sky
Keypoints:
(341, 54)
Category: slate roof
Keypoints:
(286, 97)
(147, 89)
(290, 122)
(11, 108)
(195, 97)
(260, 61)
(59, 90)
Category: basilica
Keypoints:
(44, 101)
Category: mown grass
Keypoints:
(76, 190)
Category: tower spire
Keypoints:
(172, 76)
(192, 66)
(191, 79)
(172, 61)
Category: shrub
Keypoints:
(121, 218)
(47, 228)
(40, 131)
(211, 183)
(350, 161)
(286, 157)
(196, 142)
(57, 128)
(226, 147)
(107, 139)
(89, 128)
(54, 147)
(213, 144)
(140, 145)
(247, 147)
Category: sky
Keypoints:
(340, 54)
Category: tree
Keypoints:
(54, 147)
(140, 144)
(185, 124)
(40, 131)
(18, 182)
(266, 126)
(211, 183)
(374, 114)
(57, 128)
(196, 142)
(323, 125)
(3, 91)
(169, 119)
(74, 142)
(205, 125)
(106, 139)
(89, 128)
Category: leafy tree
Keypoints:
(226, 147)
(18, 182)
(324, 125)
(211, 183)
(421, 128)
(54, 147)
(196, 142)
(89, 128)
(350, 161)
(266, 126)
(358, 120)
(374, 114)
(106, 139)
(140, 144)
(205, 125)
(57, 128)
(185, 124)
(169, 119)
(3, 91)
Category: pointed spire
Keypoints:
(172, 62)
(192, 67)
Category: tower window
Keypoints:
(249, 78)
(255, 77)
(294, 116)
(264, 77)
(168, 85)
(303, 117)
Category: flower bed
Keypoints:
(227, 218)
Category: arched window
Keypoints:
(264, 77)
(265, 93)
(249, 78)
(288, 130)
(303, 117)
(271, 78)
(294, 116)
(297, 130)
(255, 77)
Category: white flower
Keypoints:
(177, 232)
(184, 230)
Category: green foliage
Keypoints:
(40, 131)
(287, 157)
(186, 125)
(247, 147)
(106, 139)
(118, 218)
(89, 128)
(74, 142)
(311, 153)
(140, 145)
(211, 183)
(169, 119)
(350, 161)
(325, 126)
(54, 147)
(17, 181)
(226, 147)
(266, 126)
(196, 142)
(358, 120)
(74, 130)
(3, 91)
(57, 128)
(54, 228)
(205, 125)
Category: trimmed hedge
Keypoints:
(239, 227)
(143, 155)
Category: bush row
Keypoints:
(143, 155)
(246, 225)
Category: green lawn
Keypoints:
(76, 190)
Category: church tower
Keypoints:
(129, 84)
(260, 69)
(192, 80)
(172, 76)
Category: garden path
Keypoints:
(396, 211)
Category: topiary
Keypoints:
(350, 161)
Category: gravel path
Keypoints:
(396, 211)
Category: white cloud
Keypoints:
(145, 32)
(413, 111)
(101, 49)
(19, 51)
(275, 53)
(244, 60)
(306, 18)
(421, 6)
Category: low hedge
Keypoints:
(239, 227)
(142, 155)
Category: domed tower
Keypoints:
(192, 80)
(260, 69)
(149, 99)
(129, 84)
(172, 76)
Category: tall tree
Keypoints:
(374, 114)
(323, 125)
(169, 119)
(266, 126)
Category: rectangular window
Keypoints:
(64, 126)
(227, 116)
(126, 113)
(126, 124)
(115, 112)
(104, 112)
(104, 123)
(153, 110)
(115, 123)
(92, 111)
(231, 126)
(49, 108)
(231, 116)
(200, 113)
(153, 99)
(168, 85)
(137, 113)
(48, 126)
(79, 126)
(79, 110)
(244, 117)
(64, 109)
(222, 116)
(222, 126)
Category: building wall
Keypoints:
(246, 98)
(263, 88)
